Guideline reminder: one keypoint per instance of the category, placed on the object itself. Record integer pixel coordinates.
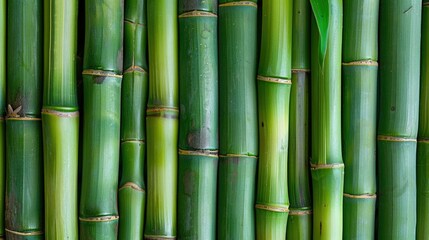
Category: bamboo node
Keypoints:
(361, 63)
(206, 153)
(326, 166)
(11, 113)
(135, 69)
(100, 73)
(395, 139)
(133, 186)
(130, 140)
(423, 140)
(132, 22)
(302, 70)
(197, 14)
(161, 109)
(239, 3)
(35, 233)
(361, 196)
(274, 80)
(425, 4)
(230, 155)
(272, 208)
(158, 237)
(299, 212)
(60, 114)
(99, 219)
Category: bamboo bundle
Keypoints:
(274, 85)
(398, 117)
(327, 168)
(423, 134)
(198, 131)
(24, 162)
(238, 124)
(299, 224)
(2, 109)
(133, 106)
(102, 78)
(162, 119)
(60, 120)
(359, 104)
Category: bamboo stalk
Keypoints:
(300, 216)
(423, 134)
(359, 72)
(60, 120)
(238, 122)
(101, 125)
(327, 168)
(162, 119)
(24, 162)
(134, 96)
(398, 118)
(198, 131)
(2, 110)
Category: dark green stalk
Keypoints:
(101, 125)
(198, 131)
(359, 104)
(2, 109)
(300, 216)
(24, 162)
(134, 95)
(423, 134)
(60, 120)
(162, 119)
(399, 76)
(238, 121)
(327, 168)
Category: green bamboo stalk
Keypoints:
(274, 85)
(423, 134)
(134, 95)
(2, 110)
(60, 120)
(238, 122)
(198, 131)
(162, 119)
(300, 216)
(101, 125)
(359, 104)
(398, 117)
(327, 168)
(24, 162)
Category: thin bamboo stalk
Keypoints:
(238, 122)
(24, 162)
(2, 110)
(327, 168)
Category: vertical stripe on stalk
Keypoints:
(162, 119)
(198, 131)
(2, 109)
(98, 213)
(238, 122)
(327, 168)
(24, 162)
(423, 134)
(399, 76)
(132, 193)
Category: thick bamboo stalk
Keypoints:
(399, 74)
(198, 131)
(60, 120)
(274, 85)
(423, 134)
(101, 124)
(162, 119)
(2, 109)
(327, 168)
(132, 193)
(300, 216)
(24, 162)
(359, 104)
(238, 136)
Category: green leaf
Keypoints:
(321, 13)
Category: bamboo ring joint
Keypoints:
(395, 139)
(239, 3)
(363, 196)
(361, 63)
(326, 166)
(133, 186)
(297, 212)
(197, 14)
(157, 237)
(274, 80)
(99, 219)
(135, 69)
(272, 208)
(24, 233)
(100, 73)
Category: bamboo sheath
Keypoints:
(2, 110)
(198, 131)
(359, 104)
(102, 79)
(327, 168)
(299, 224)
(132, 193)
(423, 134)
(24, 162)
(399, 73)
(238, 124)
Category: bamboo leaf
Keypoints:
(321, 13)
